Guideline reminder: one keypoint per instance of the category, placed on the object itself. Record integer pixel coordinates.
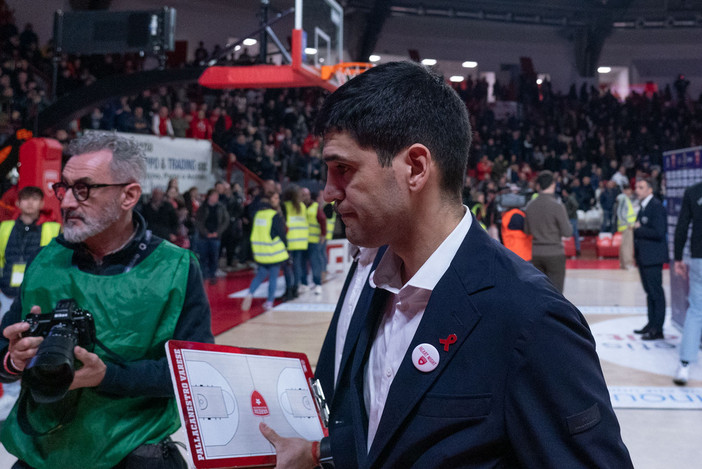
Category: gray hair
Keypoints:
(128, 161)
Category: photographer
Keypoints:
(141, 291)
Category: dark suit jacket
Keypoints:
(650, 247)
(521, 386)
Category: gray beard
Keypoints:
(90, 228)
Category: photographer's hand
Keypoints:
(91, 373)
(22, 349)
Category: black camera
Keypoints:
(50, 372)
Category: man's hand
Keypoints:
(22, 349)
(680, 269)
(291, 453)
(91, 373)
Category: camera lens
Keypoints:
(50, 373)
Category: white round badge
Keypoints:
(425, 357)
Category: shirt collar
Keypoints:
(387, 275)
(645, 201)
(364, 256)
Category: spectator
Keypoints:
(211, 220)
(161, 124)
(547, 222)
(179, 123)
(160, 215)
(608, 196)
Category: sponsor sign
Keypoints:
(187, 159)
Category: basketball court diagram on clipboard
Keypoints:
(223, 396)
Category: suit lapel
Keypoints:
(325, 372)
(358, 318)
(369, 326)
(449, 311)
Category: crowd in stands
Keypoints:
(593, 141)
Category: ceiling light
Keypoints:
(310, 50)
(604, 69)
(456, 79)
(249, 41)
(469, 64)
(374, 58)
(429, 62)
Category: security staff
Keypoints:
(626, 218)
(268, 245)
(298, 234)
(513, 236)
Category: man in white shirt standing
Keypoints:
(466, 355)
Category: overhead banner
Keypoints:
(683, 168)
(187, 159)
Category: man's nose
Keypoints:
(68, 200)
(331, 192)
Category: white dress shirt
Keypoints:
(365, 258)
(403, 313)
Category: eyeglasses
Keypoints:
(81, 190)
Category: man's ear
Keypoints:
(131, 196)
(420, 165)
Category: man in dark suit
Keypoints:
(651, 252)
(458, 353)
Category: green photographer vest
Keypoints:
(135, 313)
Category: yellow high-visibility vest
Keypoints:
(298, 229)
(49, 230)
(315, 229)
(266, 250)
(630, 216)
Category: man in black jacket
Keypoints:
(651, 252)
(691, 211)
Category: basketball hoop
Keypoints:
(344, 71)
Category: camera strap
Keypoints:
(111, 355)
(23, 403)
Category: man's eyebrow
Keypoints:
(332, 158)
(84, 180)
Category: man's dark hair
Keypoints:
(544, 180)
(395, 105)
(30, 191)
(648, 181)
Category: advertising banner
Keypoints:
(187, 159)
(683, 168)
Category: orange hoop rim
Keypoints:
(347, 70)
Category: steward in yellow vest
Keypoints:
(268, 246)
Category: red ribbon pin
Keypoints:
(448, 341)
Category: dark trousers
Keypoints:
(208, 250)
(553, 267)
(164, 455)
(652, 281)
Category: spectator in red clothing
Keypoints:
(200, 127)
(310, 142)
(484, 168)
(161, 123)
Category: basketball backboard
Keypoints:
(317, 41)
(322, 25)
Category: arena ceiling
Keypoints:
(622, 13)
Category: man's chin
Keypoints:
(74, 235)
